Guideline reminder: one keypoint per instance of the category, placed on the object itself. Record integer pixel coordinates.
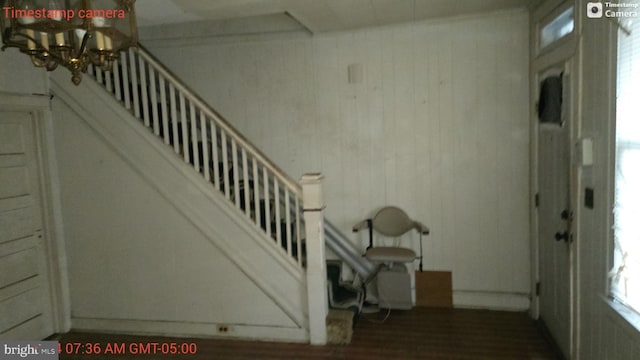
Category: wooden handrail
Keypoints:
(221, 121)
(221, 154)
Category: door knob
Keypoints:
(565, 215)
(562, 236)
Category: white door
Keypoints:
(25, 297)
(554, 222)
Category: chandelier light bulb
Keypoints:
(57, 16)
(99, 22)
(27, 5)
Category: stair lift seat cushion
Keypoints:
(391, 254)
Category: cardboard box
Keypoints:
(434, 289)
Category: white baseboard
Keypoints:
(491, 300)
(190, 329)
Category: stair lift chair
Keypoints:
(393, 278)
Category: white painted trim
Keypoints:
(124, 130)
(534, 310)
(39, 106)
(53, 223)
(491, 300)
(24, 102)
(555, 56)
(316, 260)
(190, 329)
(625, 318)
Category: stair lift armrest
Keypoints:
(364, 224)
(421, 228)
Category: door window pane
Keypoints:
(558, 28)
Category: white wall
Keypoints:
(19, 76)
(603, 333)
(439, 127)
(135, 258)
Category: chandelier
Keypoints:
(73, 34)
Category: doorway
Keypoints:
(30, 286)
(554, 208)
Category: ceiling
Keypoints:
(315, 15)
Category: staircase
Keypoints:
(257, 195)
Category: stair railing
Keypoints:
(205, 140)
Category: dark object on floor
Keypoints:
(342, 295)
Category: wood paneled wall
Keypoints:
(438, 126)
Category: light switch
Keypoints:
(355, 73)
(585, 151)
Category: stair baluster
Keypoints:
(154, 101)
(117, 84)
(163, 107)
(144, 95)
(203, 139)
(134, 84)
(195, 150)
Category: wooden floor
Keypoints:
(422, 333)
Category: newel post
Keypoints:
(316, 264)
